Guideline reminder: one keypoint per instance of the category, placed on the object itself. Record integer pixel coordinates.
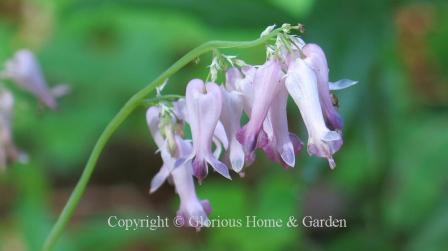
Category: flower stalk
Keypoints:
(134, 102)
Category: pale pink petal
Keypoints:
(232, 110)
(153, 121)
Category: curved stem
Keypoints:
(121, 116)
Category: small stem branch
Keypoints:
(121, 116)
(156, 100)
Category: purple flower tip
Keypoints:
(247, 140)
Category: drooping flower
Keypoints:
(154, 122)
(232, 110)
(220, 140)
(193, 211)
(8, 150)
(266, 86)
(204, 104)
(277, 142)
(301, 83)
(25, 71)
(316, 60)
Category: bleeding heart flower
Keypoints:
(301, 83)
(204, 104)
(266, 86)
(277, 142)
(8, 150)
(315, 58)
(26, 73)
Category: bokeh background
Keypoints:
(391, 182)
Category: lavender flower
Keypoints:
(315, 58)
(204, 104)
(266, 86)
(301, 83)
(24, 69)
(277, 142)
(219, 139)
(8, 150)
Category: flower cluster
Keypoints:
(214, 111)
(23, 70)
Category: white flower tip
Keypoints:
(237, 165)
(332, 163)
(288, 157)
(341, 84)
(23, 158)
(60, 90)
(331, 136)
(267, 31)
(219, 167)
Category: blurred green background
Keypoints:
(391, 182)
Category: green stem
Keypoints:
(158, 99)
(121, 116)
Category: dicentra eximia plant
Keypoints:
(213, 112)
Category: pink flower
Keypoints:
(301, 83)
(204, 104)
(266, 87)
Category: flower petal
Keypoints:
(341, 84)
(220, 135)
(232, 110)
(153, 121)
